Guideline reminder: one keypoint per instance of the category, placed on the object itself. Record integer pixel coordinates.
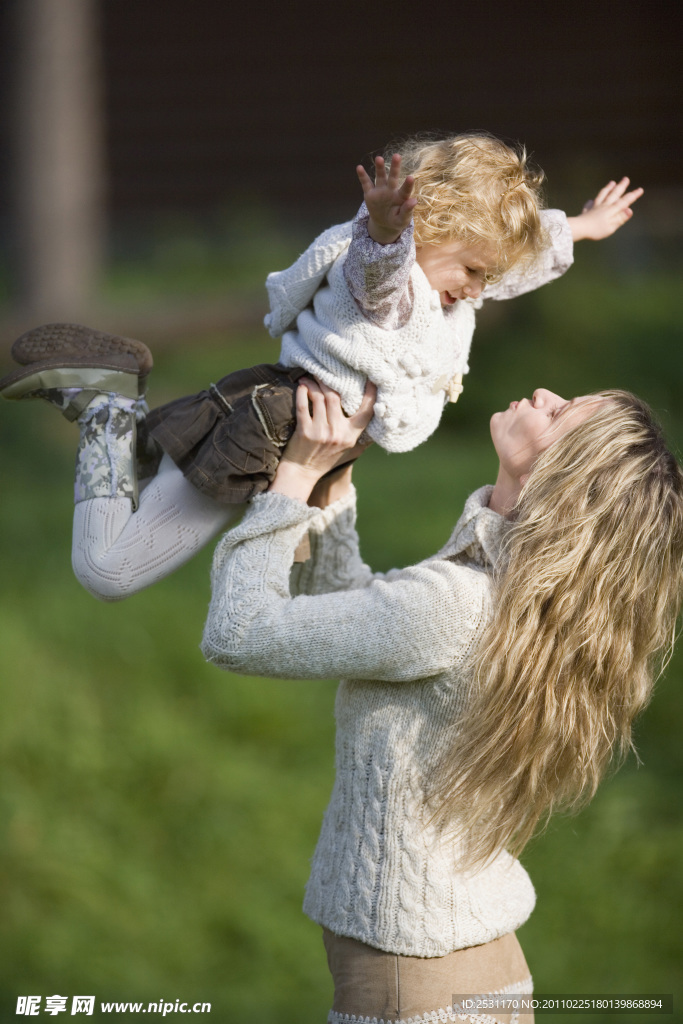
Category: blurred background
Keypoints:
(157, 159)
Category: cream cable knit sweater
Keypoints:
(324, 331)
(381, 873)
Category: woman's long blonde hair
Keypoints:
(585, 615)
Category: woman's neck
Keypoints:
(505, 493)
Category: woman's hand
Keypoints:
(602, 216)
(390, 206)
(324, 438)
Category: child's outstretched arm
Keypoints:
(600, 218)
(382, 251)
(605, 214)
(389, 204)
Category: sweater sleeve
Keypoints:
(378, 276)
(408, 625)
(335, 562)
(551, 264)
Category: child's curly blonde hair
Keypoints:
(476, 189)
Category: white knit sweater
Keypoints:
(324, 331)
(381, 873)
(411, 366)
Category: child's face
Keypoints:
(456, 270)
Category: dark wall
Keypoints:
(209, 102)
(209, 99)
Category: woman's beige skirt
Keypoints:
(374, 987)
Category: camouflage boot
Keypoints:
(99, 380)
(106, 464)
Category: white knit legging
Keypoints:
(117, 552)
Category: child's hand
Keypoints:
(605, 214)
(390, 206)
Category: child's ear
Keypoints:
(523, 479)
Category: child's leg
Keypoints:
(117, 552)
(122, 541)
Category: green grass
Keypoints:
(157, 816)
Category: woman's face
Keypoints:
(527, 428)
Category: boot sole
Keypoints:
(119, 376)
(76, 345)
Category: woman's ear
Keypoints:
(522, 480)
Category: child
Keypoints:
(378, 300)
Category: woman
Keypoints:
(485, 687)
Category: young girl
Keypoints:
(382, 299)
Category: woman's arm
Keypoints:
(414, 623)
(419, 623)
(310, 471)
(334, 562)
